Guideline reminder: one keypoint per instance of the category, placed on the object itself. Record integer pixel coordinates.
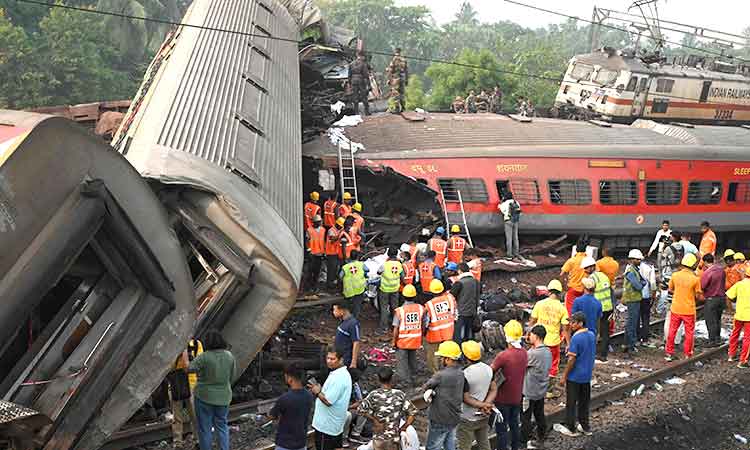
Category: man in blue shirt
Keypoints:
(347, 334)
(293, 411)
(577, 377)
(589, 305)
(332, 401)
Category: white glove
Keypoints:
(428, 394)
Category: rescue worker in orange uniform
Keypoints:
(427, 271)
(312, 209)
(731, 276)
(408, 320)
(440, 319)
(475, 264)
(410, 268)
(456, 246)
(345, 208)
(708, 240)
(358, 224)
(349, 238)
(333, 250)
(315, 236)
(438, 245)
(572, 268)
(330, 211)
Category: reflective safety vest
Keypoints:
(354, 232)
(311, 210)
(629, 293)
(409, 326)
(426, 274)
(345, 210)
(352, 240)
(477, 269)
(329, 213)
(410, 271)
(413, 251)
(316, 241)
(603, 290)
(442, 314)
(354, 278)
(333, 246)
(359, 221)
(456, 247)
(390, 279)
(438, 246)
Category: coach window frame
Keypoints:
(650, 200)
(632, 84)
(526, 191)
(697, 192)
(733, 188)
(623, 194)
(473, 190)
(564, 188)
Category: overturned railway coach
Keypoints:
(569, 176)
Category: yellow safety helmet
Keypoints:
(728, 252)
(448, 349)
(513, 331)
(472, 350)
(555, 285)
(340, 221)
(409, 291)
(357, 207)
(347, 196)
(436, 286)
(455, 229)
(314, 195)
(739, 256)
(689, 260)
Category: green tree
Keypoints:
(415, 93)
(20, 82)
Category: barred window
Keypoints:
(618, 192)
(472, 189)
(663, 192)
(739, 192)
(704, 192)
(526, 191)
(632, 84)
(664, 85)
(570, 192)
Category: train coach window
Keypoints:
(664, 85)
(581, 72)
(704, 192)
(739, 192)
(570, 192)
(472, 189)
(526, 191)
(632, 84)
(618, 192)
(663, 192)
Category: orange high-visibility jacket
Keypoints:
(410, 271)
(333, 246)
(311, 210)
(456, 247)
(329, 213)
(316, 241)
(409, 326)
(442, 314)
(426, 274)
(438, 246)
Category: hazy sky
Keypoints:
(730, 16)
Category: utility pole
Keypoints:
(597, 18)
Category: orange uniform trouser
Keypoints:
(675, 320)
(740, 326)
(555, 350)
(570, 297)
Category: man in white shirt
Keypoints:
(510, 209)
(478, 402)
(663, 231)
(648, 272)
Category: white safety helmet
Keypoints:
(405, 248)
(587, 262)
(635, 254)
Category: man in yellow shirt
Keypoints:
(572, 268)
(685, 287)
(551, 313)
(182, 402)
(740, 292)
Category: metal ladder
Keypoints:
(463, 217)
(347, 171)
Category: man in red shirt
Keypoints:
(512, 361)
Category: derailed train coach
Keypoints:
(96, 293)
(215, 128)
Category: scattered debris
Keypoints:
(620, 375)
(675, 381)
(658, 387)
(741, 439)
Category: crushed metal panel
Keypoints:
(10, 412)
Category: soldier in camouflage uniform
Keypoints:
(471, 102)
(458, 106)
(359, 78)
(496, 100)
(399, 72)
(395, 100)
(482, 102)
(386, 407)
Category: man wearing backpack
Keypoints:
(511, 212)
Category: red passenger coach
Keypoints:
(569, 177)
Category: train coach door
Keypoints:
(704, 92)
(640, 96)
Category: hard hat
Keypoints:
(587, 262)
(440, 230)
(340, 221)
(347, 196)
(357, 207)
(449, 349)
(409, 291)
(317, 218)
(728, 252)
(635, 254)
(405, 248)
(513, 331)
(314, 195)
(689, 260)
(472, 350)
(739, 256)
(455, 229)
(436, 286)
(451, 266)
(555, 285)
(588, 283)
